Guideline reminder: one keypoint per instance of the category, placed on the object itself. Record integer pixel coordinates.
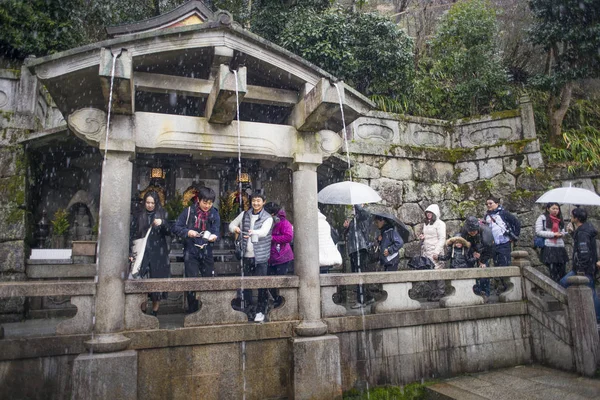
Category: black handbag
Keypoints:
(239, 250)
(373, 252)
(420, 262)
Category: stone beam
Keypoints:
(221, 105)
(178, 134)
(123, 93)
(160, 83)
(319, 109)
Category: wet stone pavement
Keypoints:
(517, 383)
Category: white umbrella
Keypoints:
(348, 193)
(570, 195)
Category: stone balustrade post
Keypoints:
(584, 329)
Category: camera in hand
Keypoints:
(510, 234)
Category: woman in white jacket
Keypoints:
(434, 238)
(551, 226)
(329, 255)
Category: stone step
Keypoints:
(446, 391)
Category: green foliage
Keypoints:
(389, 104)
(366, 50)
(268, 18)
(581, 152)
(462, 73)
(60, 222)
(175, 206)
(41, 27)
(38, 27)
(413, 391)
(570, 31)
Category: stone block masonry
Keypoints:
(414, 162)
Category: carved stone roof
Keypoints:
(191, 13)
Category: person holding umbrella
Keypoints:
(357, 236)
(551, 227)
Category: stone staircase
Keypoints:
(518, 383)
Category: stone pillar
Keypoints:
(527, 120)
(113, 230)
(306, 244)
(317, 374)
(113, 242)
(584, 329)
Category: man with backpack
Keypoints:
(506, 229)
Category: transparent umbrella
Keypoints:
(570, 195)
(348, 193)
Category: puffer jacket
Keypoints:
(459, 258)
(329, 254)
(435, 236)
(281, 239)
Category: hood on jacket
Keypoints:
(281, 214)
(435, 209)
(452, 240)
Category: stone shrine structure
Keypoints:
(174, 82)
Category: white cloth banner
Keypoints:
(139, 247)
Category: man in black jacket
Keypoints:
(585, 254)
(198, 226)
(482, 250)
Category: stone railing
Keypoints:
(397, 284)
(82, 296)
(563, 322)
(547, 303)
(216, 296)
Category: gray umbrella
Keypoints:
(403, 230)
(348, 193)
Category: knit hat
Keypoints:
(452, 240)
(472, 224)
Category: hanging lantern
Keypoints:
(157, 173)
(244, 177)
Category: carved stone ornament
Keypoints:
(489, 135)
(374, 130)
(88, 124)
(329, 141)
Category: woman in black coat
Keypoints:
(155, 262)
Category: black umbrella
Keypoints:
(403, 230)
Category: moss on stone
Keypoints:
(505, 114)
(521, 194)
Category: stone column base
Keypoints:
(105, 376)
(317, 372)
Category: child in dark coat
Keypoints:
(390, 244)
(457, 251)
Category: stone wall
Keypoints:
(414, 162)
(402, 355)
(25, 107)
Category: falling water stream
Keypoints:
(360, 295)
(110, 95)
(242, 303)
